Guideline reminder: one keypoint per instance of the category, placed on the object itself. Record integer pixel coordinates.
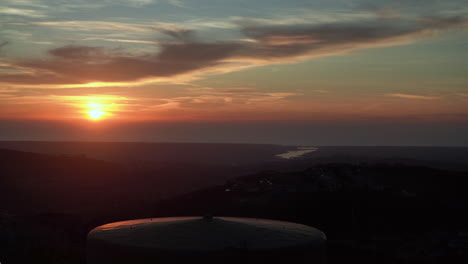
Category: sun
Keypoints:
(98, 108)
(96, 114)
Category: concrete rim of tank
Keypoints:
(198, 234)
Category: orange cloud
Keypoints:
(412, 96)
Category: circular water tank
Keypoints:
(208, 239)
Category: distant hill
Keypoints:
(200, 153)
(275, 188)
(76, 183)
(216, 154)
(457, 156)
(34, 182)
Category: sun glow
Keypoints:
(95, 114)
(96, 107)
(96, 110)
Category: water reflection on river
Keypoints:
(297, 153)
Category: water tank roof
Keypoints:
(207, 234)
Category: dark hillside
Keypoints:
(379, 213)
(371, 213)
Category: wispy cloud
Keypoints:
(3, 43)
(97, 25)
(178, 3)
(22, 12)
(185, 56)
(198, 101)
(131, 2)
(28, 3)
(113, 28)
(413, 96)
(124, 40)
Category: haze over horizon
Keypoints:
(355, 72)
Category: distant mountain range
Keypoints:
(140, 152)
(219, 154)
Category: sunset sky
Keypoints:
(330, 71)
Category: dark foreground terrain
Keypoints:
(372, 212)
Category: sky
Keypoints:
(323, 72)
